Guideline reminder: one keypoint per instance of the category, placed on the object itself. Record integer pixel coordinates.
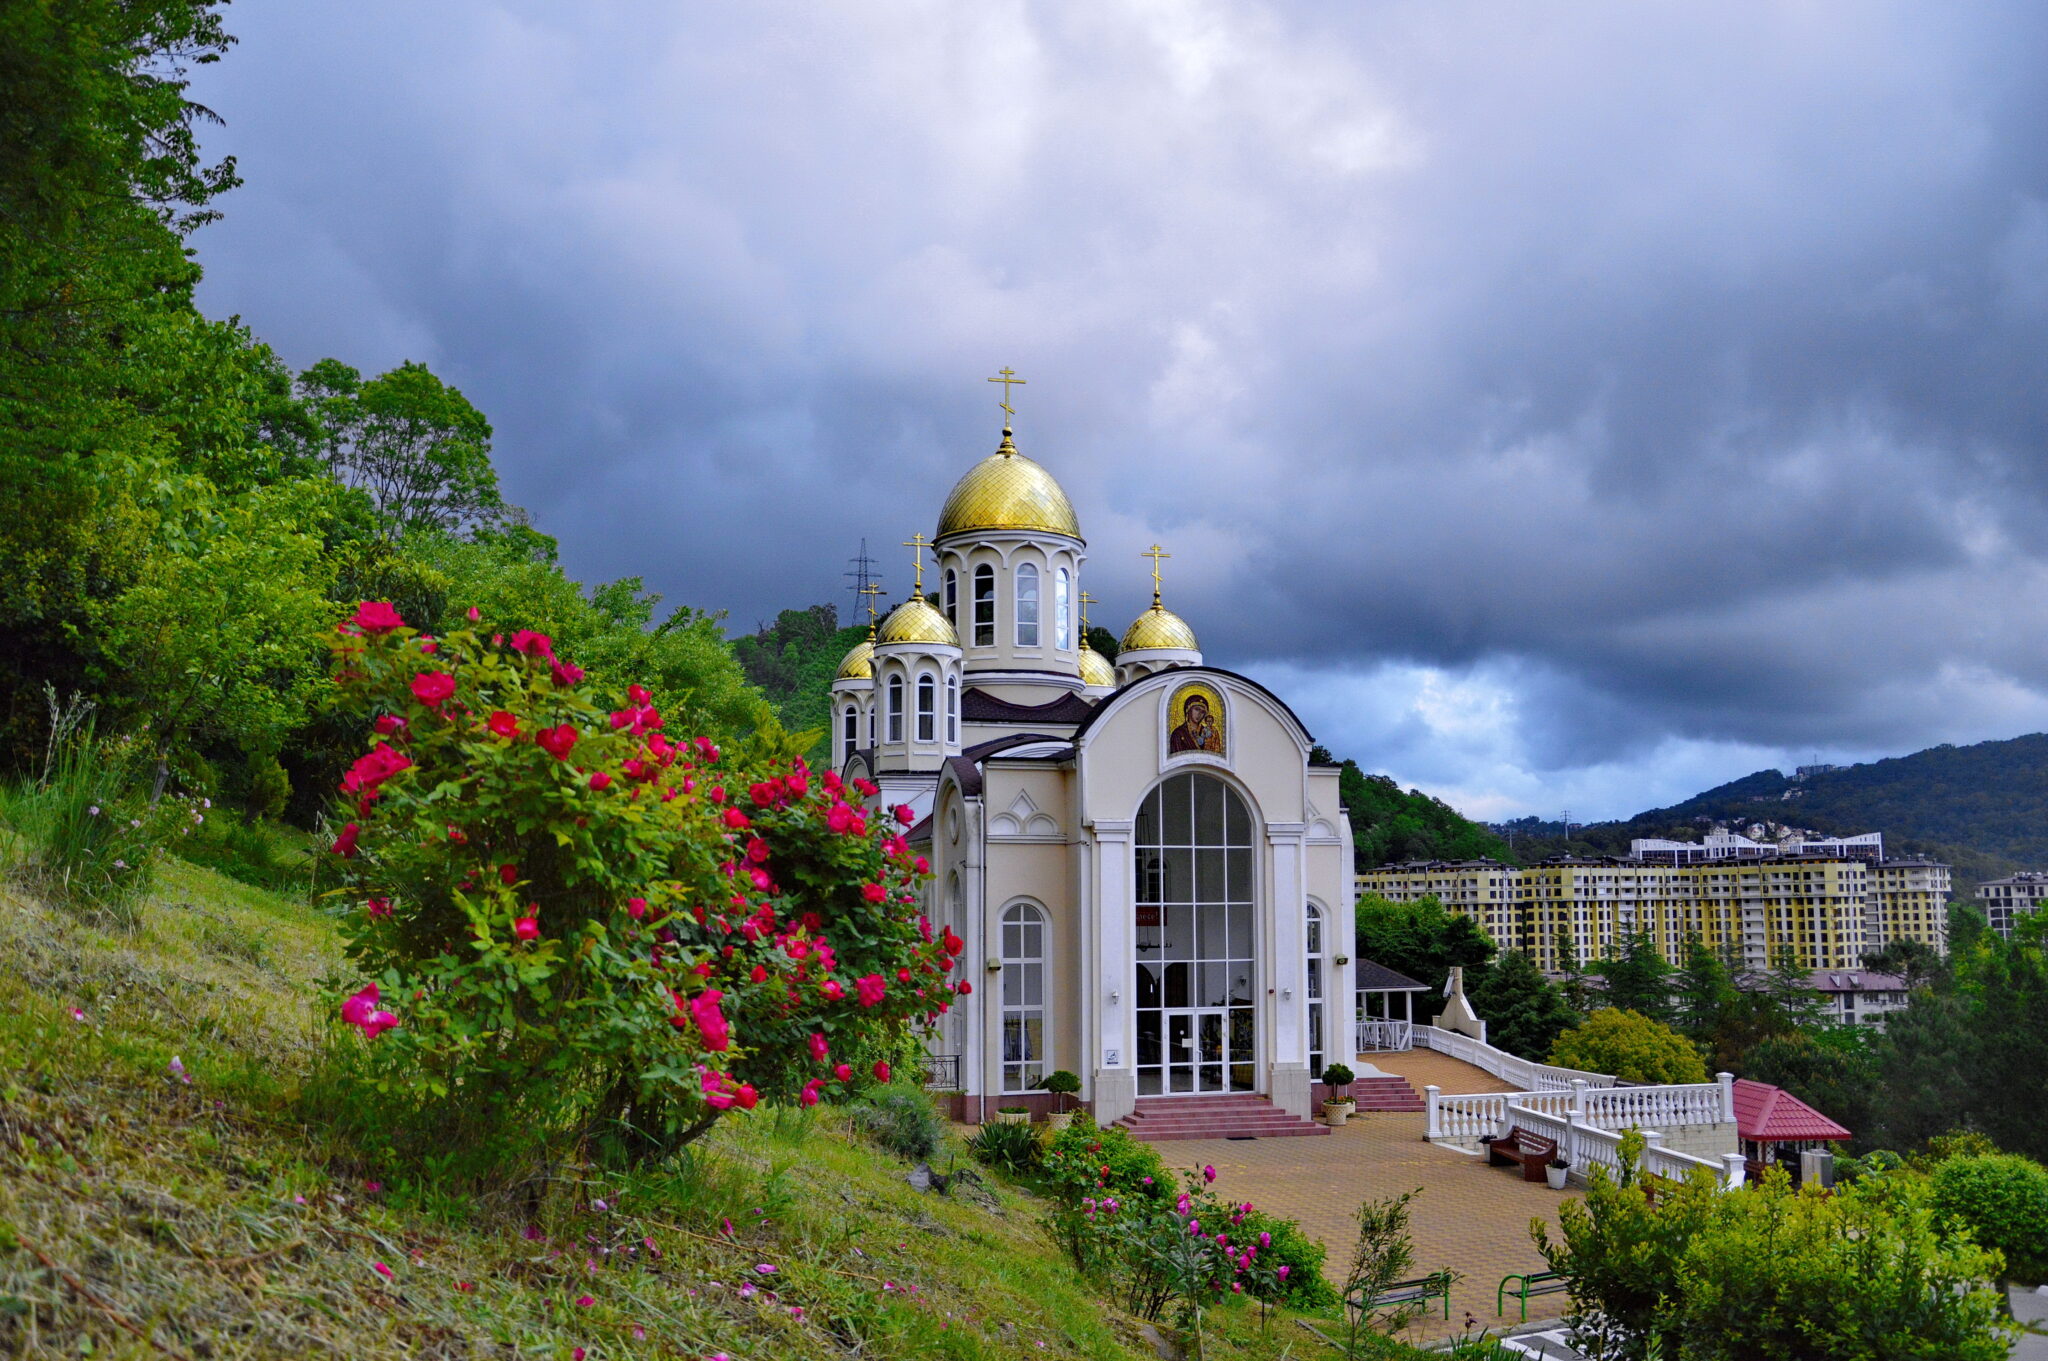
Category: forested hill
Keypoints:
(1389, 824)
(793, 661)
(1983, 808)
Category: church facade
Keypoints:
(1152, 875)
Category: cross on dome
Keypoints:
(917, 543)
(1155, 552)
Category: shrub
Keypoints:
(579, 925)
(1338, 1078)
(902, 1120)
(1014, 1148)
(1304, 1285)
(1062, 1084)
(2003, 1198)
(1631, 1046)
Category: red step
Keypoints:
(1235, 1115)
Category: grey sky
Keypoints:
(1563, 405)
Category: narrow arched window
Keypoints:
(927, 693)
(1062, 610)
(984, 606)
(1027, 606)
(895, 708)
(1318, 1050)
(1024, 1049)
(849, 734)
(953, 710)
(952, 598)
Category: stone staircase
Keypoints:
(1237, 1115)
(1385, 1093)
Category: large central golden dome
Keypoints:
(1008, 491)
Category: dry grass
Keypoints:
(144, 1216)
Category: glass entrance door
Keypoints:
(1200, 1053)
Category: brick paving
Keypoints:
(1471, 1218)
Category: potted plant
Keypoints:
(1013, 1115)
(1061, 1084)
(1337, 1106)
(1555, 1172)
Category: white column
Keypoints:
(1735, 1170)
(1434, 1130)
(1286, 956)
(1115, 969)
(1727, 1081)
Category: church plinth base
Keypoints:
(1291, 1089)
(1116, 1094)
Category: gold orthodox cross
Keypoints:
(917, 543)
(1086, 601)
(1155, 552)
(871, 590)
(1008, 379)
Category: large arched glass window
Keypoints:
(953, 710)
(984, 606)
(1197, 1026)
(927, 696)
(1027, 606)
(952, 598)
(1062, 610)
(849, 734)
(1317, 1049)
(1024, 1051)
(895, 708)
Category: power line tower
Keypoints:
(860, 574)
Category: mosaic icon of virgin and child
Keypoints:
(1201, 722)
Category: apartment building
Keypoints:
(1828, 909)
(2004, 899)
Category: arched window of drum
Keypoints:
(1024, 1038)
(1318, 1011)
(953, 709)
(927, 696)
(1027, 606)
(952, 598)
(849, 726)
(984, 606)
(1062, 610)
(895, 708)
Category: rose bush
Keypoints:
(574, 921)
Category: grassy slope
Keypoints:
(206, 1219)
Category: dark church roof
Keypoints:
(1379, 978)
(979, 706)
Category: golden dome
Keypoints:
(1158, 627)
(1008, 491)
(915, 621)
(859, 663)
(1095, 668)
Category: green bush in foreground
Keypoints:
(900, 1119)
(2003, 1199)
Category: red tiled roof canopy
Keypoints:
(1767, 1114)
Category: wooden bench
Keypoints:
(1435, 1286)
(1522, 1287)
(1532, 1151)
(1656, 1186)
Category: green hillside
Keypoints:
(793, 661)
(1390, 825)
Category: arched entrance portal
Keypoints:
(1197, 1018)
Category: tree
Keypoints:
(1523, 1011)
(1699, 1275)
(414, 444)
(1704, 990)
(1573, 969)
(1421, 939)
(1833, 1069)
(1639, 979)
(1389, 825)
(1913, 962)
(1631, 1046)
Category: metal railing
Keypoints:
(942, 1072)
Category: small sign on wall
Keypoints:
(1112, 1057)
(1148, 914)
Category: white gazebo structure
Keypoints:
(1379, 1030)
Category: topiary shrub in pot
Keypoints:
(1062, 1085)
(1338, 1105)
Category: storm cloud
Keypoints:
(1565, 405)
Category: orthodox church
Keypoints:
(1146, 865)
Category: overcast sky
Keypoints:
(1560, 405)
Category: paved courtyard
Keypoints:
(1469, 1217)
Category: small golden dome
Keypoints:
(859, 663)
(1095, 668)
(915, 621)
(1158, 627)
(1008, 491)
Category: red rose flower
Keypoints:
(345, 844)
(638, 693)
(533, 644)
(508, 875)
(844, 1072)
(390, 724)
(870, 990)
(504, 724)
(377, 616)
(432, 687)
(599, 780)
(636, 908)
(881, 1071)
(874, 893)
(736, 820)
(905, 814)
(526, 928)
(557, 742)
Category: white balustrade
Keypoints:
(1530, 1076)
(1475, 1116)
(1383, 1036)
(1587, 1146)
(1699, 1103)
